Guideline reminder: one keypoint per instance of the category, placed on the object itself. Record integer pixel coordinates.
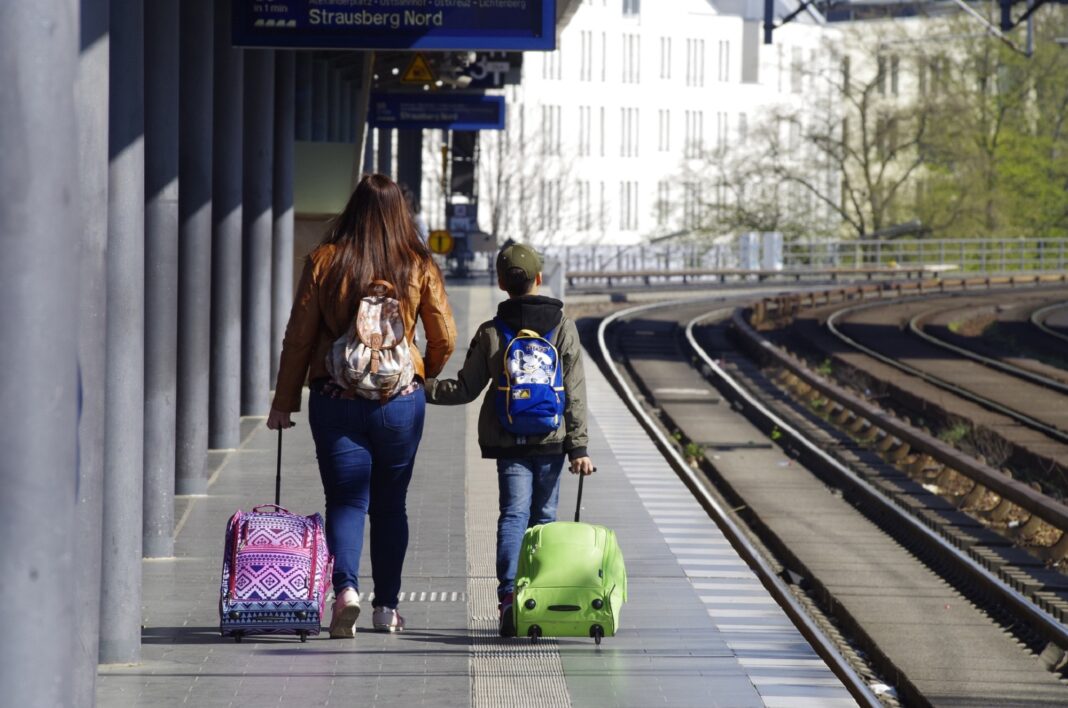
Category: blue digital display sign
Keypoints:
(515, 25)
(445, 111)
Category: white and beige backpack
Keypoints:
(373, 359)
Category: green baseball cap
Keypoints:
(519, 255)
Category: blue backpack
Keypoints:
(530, 395)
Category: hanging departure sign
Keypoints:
(517, 25)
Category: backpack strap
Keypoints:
(504, 330)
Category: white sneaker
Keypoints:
(386, 619)
(346, 612)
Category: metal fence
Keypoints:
(960, 255)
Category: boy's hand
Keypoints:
(582, 465)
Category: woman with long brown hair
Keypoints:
(365, 438)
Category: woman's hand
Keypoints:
(276, 420)
(583, 466)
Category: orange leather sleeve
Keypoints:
(440, 328)
(301, 336)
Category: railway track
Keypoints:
(1038, 319)
(846, 524)
(1033, 400)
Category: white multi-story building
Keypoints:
(600, 130)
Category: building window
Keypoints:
(723, 69)
(663, 203)
(632, 59)
(628, 206)
(586, 68)
(628, 132)
(665, 57)
(664, 132)
(695, 62)
(721, 130)
(743, 128)
(691, 206)
(602, 131)
(584, 206)
(551, 130)
(604, 56)
(602, 212)
(695, 134)
(795, 70)
(585, 137)
(895, 63)
(631, 8)
(552, 66)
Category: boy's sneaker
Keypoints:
(507, 617)
(387, 619)
(346, 612)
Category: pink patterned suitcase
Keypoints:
(274, 575)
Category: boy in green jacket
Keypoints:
(528, 467)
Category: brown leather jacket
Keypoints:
(314, 324)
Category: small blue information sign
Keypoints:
(445, 111)
(515, 25)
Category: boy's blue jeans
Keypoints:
(366, 452)
(529, 492)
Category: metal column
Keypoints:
(385, 151)
(224, 419)
(161, 273)
(320, 98)
(194, 245)
(91, 107)
(39, 325)
(120, 601)
(282, 243)
(304, 95)
(410, 162)
(257, 233)
(334, 107)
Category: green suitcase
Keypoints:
(571, 581)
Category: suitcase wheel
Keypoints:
(237, 637)
(303, 636)
(534, 632)
(597, 632)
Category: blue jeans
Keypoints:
(529, 491)
(366, 451)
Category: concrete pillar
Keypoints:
(224, 421)
(304, 95)
(161, 273)
(257, 232)
(39, 203)
(385, 151)
(91, 107)
(320, 98)
(120, 601)
(194, 245)
(282, 242)
(410, 161)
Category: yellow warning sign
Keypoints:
(440, 242)
(418, 71)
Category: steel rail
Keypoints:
(1038, 319)
(917, 329)
(1055, 433)
(823, 646)
(1054, 630)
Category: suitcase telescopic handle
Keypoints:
(278, 473)
(578, 502)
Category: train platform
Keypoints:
(699, 629)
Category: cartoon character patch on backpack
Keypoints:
(530, 395)
(373, 360)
